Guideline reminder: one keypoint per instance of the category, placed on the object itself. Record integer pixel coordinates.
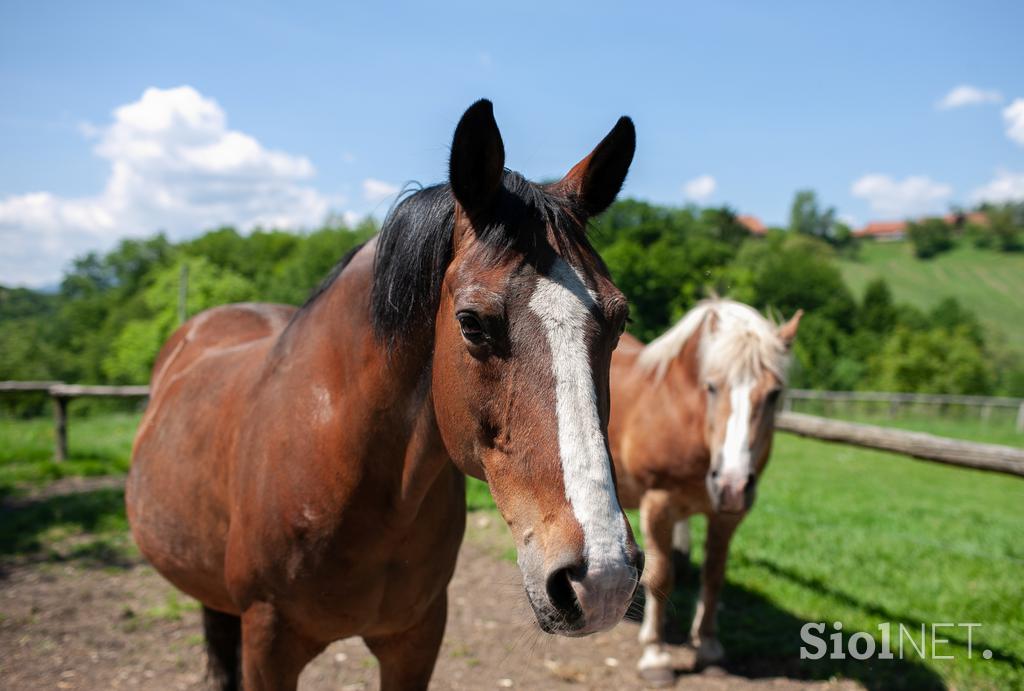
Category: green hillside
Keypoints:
(989, 283)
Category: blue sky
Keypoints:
(119, 119)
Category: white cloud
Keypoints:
(1006, 186)
(174, 166)
(967, 95)
(700, 188)
(375, 191)
(913, 196)
(1013, 114)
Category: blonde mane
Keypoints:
(741, 345)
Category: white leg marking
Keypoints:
(681, 536)
(563, 303)
(655, 657)
(650, 630)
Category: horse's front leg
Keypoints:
(656, 520)
(704, 632)
(273, 653)
(407, 658)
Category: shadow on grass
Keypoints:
(762, 640)
(87, 527)
(881, 613)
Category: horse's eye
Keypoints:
(772, 397)
(472, 328)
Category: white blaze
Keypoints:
(563, 302)
(736, 448)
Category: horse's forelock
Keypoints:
(742, 346)
(737, 343)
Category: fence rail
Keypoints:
(993, 457)
(895, 400)
(929, 447)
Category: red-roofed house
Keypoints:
(883, 230)
(959, 220)
(752, 224)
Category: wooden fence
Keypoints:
(985, 404)
(929, 447)
(992, 457)
(60, 393)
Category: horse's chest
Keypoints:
(378, 586)
(362, 571)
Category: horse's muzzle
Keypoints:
(581, 597)
(731, 494)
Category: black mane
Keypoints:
(414, 246)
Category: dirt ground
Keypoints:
(69, 626)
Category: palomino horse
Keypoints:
(691, 430)
(299, 472)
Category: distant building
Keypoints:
(961, 219)
(890, 231)
(752, 224)
(884, 231)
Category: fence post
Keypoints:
(183, 294)
(60, 428)
(1020, 418)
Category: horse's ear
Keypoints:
(477, 162)
(787, 332)
(596, 180)
(711, 321)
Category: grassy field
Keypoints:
(97, 445)
(987, 282)
(838, 534)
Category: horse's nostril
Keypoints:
(561, 593)
(714, 474)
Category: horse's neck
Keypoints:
(385, 396)
(681, 391)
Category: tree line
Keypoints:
(113, 311)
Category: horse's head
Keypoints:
(523, 334)
(743, 365)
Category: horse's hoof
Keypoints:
(655, 667)
(658, 677)
(709, 652)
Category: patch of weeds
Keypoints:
(173, 608)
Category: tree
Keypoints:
(130, 356)
(877, 312)
(805, 218)
(1004, 226)
(789, 272)
(930, 237)
(933, 361)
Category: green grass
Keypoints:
(89, 527)
(97, 445)
(989, 283)
(862, 537)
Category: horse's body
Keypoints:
(299, 472)
(691, 429)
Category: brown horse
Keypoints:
(691, 430)
(299, 472)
